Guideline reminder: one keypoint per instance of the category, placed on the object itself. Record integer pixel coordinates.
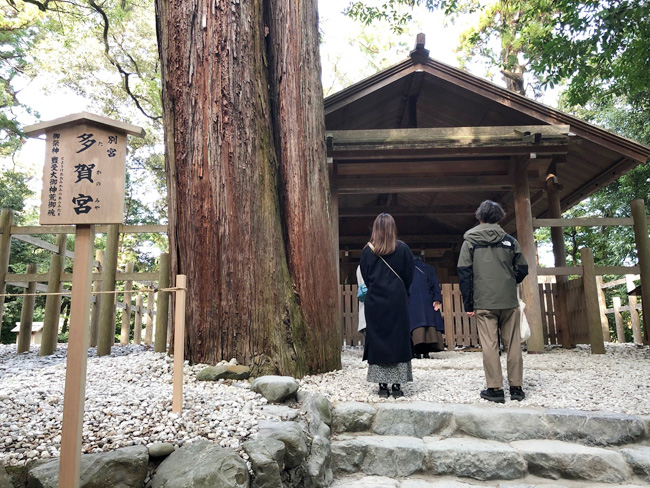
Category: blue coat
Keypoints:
(425, 290)
(388, 338)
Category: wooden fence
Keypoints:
(105, 276)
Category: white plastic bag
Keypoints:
(524, 328)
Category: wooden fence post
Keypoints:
(148, 332)
(643, 252)
(602, 305)
(137, 327)
(162, 310)
(6, 221)
(634, 314)
(591, 301)
(27, 314)
(53, 302)
(448, 315)
(125, 331)
(106, 337)
(179, 343)
(95, 308)
(620, 333)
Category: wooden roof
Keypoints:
(427, 143)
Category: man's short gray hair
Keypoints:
(490, 212)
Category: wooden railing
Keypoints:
(104, 303)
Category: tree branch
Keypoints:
(125, 75)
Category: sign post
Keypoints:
(83, 184)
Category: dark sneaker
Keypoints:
(493, 395)
(516, 393)
(397, 391)
(383, 391)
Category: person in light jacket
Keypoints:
(387, 270)
(490, 266)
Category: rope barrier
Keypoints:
(68, 292)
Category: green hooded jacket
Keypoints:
(490, 266)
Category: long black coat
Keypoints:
(424, 291)
(388, 338)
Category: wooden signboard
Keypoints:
(83, 185)
(84, 171)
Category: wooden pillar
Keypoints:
(643, 252)
(125, 331)
(53, 302)
(137, 326)
(179, 343)
(27, 314)
(526, 239)
(559, 254)
(448, 315)
(602, 306)
(97, 303)
(634, 314)
(620, 333)
(148, 332)
(106, 337)
(591, 301)
(75, 373)
(162, 310)
(6, 221)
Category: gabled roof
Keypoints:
(422, 93)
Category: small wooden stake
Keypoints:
(75, 374)
(179, 343)
(620, 333)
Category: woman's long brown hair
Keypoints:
(384, 234)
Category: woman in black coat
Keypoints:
(387, 270)
(427, 324)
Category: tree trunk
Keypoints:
(247, 183)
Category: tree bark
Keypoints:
(250, 221)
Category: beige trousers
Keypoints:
(488, 321)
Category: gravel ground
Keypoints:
(128, 394)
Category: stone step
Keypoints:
(364, 481)
(420, 419)
(481, 459)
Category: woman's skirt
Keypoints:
(427, 339)
(390, 373)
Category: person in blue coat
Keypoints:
(427, 325)
(387, 270)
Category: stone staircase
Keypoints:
(425, 445)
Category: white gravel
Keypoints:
(128, 394)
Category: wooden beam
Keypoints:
(100, 229)
(464, 135)
(583, 222)
(409, 239)
(577, 270)
(433, 210)
(358, 186)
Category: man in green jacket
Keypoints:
(490, 266)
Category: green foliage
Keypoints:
(18, 33)
(399, 13)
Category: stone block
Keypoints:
(501, 424)
(556, 459)
(596, 428)
(393, 456)
(201, 464)
(347, 454)
(638, 457)
(416, 419)
(267, 460)
(353, 417)
(122, 468)
(474, 458)
(275, 389)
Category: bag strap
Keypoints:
(380, 257)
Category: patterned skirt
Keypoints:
(390, 373)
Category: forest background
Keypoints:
(587, 57)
